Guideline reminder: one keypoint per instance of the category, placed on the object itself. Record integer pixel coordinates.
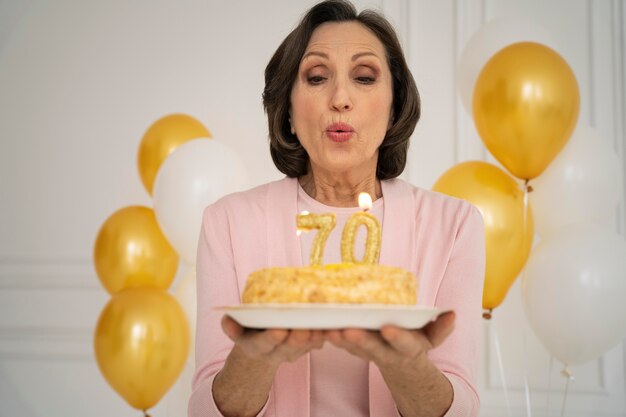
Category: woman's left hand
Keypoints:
(393, 347)
(418, 387)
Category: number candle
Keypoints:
(325, 223)
(372, 243)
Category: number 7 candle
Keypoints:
(306, 221)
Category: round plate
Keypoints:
(330, 316)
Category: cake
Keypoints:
(345, 283)
(350, 282)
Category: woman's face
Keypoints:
(342, 98)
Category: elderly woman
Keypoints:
(341, 106)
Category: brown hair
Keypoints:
(287, 153)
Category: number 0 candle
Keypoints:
(374, 233)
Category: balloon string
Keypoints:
(526, 384)
(568, 377)
(549, 382)
(500, 365)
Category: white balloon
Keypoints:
(488, 40)
(185, 294)
(574, 292)
(582, 184)
(195, 175)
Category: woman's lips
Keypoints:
(339, 132)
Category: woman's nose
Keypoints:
(341, 100)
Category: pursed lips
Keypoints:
(339, 132)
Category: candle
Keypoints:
(325, 223)
(372, 242)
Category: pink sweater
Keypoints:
(440, 239)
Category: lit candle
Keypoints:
(374, 233)
(325, 223)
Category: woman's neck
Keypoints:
(339, 190)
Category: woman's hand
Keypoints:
(393, 346)
(417, 386)
(242, 386)
(273, 346)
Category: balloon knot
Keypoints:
(567, 374)
(145, 413)
(529, 188)
(487, 314)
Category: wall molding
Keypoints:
(49, 344)
(618, 12)
(614, 13)
(619, 54)
(48, 274)
(469, 17)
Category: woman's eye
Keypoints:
(365, 80)
(315, 79)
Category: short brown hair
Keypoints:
(287, 153)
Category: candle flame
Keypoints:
(304, 212)
(365, 201)
(298, 232)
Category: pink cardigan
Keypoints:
(439, 238)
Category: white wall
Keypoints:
(81, 81)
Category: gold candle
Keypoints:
(325, 223)
(374, 233)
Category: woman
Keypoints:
(341, 105)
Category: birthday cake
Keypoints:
(349, 283)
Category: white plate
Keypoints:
(330, 316)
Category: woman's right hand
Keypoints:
(273, 346)
(242, 386)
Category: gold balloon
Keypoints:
(131, 251)
(508, 221)
(161, 138)
(141, 344)
(526, 104)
